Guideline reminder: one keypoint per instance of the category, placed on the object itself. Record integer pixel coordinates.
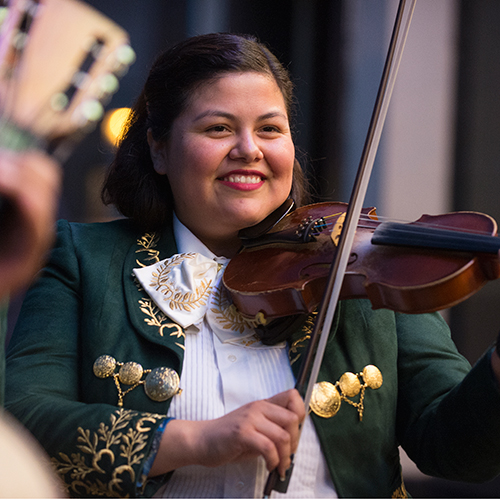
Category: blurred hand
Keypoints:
(30, 184)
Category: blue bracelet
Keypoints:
(148, 463)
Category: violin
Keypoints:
(423, 266)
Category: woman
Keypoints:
(125, 308)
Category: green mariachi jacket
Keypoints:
(87, 304)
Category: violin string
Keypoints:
(465, 233)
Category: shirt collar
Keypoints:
(187, 242)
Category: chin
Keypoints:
(245, 215)
(252, 221)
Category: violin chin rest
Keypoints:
(264, 226)
(279, 330)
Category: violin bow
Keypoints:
(314, 354)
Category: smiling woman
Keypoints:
(191, 72)
(138, 375)
(231, 150)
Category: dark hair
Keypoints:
(132, 184)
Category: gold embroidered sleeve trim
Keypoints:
(119, 444)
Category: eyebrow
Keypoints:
(230, 116)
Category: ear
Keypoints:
(158, 154)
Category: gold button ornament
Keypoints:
(160, 384)
(326, 397)
(325, 400)
(349, 384)
(130, 373)
(372, 376)
(104, 366)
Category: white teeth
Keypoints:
(243, 179)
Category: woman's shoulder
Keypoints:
(103, 238)
(101, 231)
(94, 239)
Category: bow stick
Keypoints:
(314, 355)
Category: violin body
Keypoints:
(285, 278)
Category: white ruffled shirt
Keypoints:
(218, 377)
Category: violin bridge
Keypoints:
(337, 229)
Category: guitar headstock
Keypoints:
(60, 61)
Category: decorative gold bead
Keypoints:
(349, 384)
(104, 366)
(372, 376)
(162, 383)
(325, 399)
(130, 373)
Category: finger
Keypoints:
(293, 402)
(281, 427)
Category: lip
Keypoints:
(243, 180)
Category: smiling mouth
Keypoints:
(242, 179)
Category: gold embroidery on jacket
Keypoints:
(401, 491)
(299, 344)
(156, 317)
(148, 243)
(121, 438)
(294, 348)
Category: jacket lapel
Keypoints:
(147, 319)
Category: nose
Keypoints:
(246, 148)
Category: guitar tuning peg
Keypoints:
(59, 101)
(105, 86)
(108, 84)
(124, 56)
(89, 111)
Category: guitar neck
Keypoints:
(60, 61)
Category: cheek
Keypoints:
(181, 166)
(199, 159)
(284, 161)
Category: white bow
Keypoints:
(187, 287)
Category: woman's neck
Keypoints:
(224, 248)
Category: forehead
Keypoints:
(238, 88)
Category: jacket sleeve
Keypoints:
(98, 449)
(452, 433)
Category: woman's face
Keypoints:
(229, 158)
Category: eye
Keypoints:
(271, 130)
(217, 129)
